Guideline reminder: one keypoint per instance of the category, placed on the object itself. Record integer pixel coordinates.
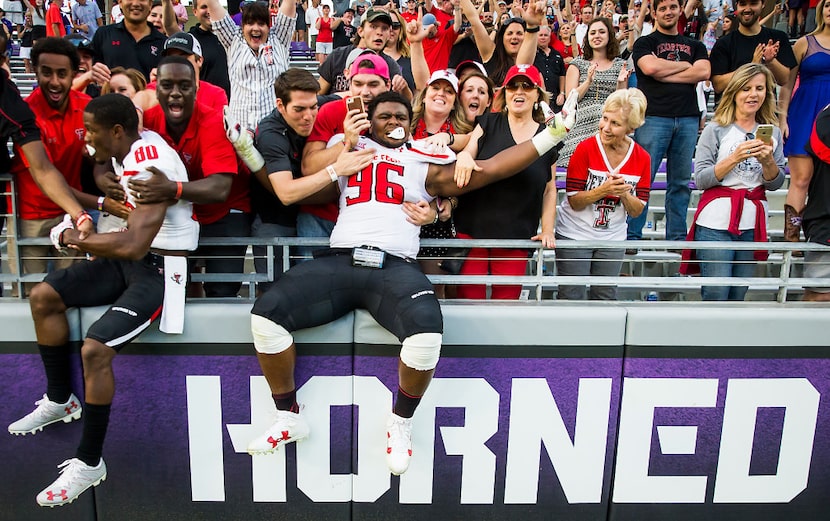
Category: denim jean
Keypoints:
(674, 139)
(310, 225)
(724, 263)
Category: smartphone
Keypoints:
(764, 133)
(354, 103)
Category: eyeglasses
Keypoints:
(516, 85)
(396, 25)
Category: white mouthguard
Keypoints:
(90, 150)
(398, 133)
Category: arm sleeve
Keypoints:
(274, 148)
(225, 29)
(577, 169)
(780, 160)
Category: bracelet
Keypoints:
(101, 203)
(452, 139)
(454, 202)
(82, 218)
(332, 173)
(533, 29)
(436, 216)
(179, 186)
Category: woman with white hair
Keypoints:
(609, 176)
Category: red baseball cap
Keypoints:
(526, 70)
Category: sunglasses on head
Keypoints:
(78, 42)
(516, 85)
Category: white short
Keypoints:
(324, 47)
(25, 53)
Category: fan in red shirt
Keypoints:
(54, 20)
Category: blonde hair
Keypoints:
(767, 114)
(631, 102)
(820, 17)
(402, 45)
(135, 76)
(456, 116)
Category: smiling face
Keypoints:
(749, 99)
(54, 77)
(439, 98)
(255, 34)
(387, 117)
(749, 11)
(200, 10)
(121, 84)
(597, 35)
(613, 128)
(155, 17)
(520, 95)
(176, 92)
(135, 11)
(513, 38)
(475, 97)
(666, 15)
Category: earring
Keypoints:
(536, 106)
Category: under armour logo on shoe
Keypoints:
(71, 407)
(51, 495)
(275, 442)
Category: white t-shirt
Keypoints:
(370, 201)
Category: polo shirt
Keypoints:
(63, 137)
(205, 151)
(115, 46)
(282, 149)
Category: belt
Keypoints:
(333, 252)
(154, 259)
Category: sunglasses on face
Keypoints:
(523, 85)
(396, 25)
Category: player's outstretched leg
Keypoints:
(277, 356)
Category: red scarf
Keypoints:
(420, 131)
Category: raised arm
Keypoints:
(217, 12)
(485, 45)
(534, 15)
(169, 18)
(416, 33)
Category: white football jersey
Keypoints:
(371, 200)
(179, 231)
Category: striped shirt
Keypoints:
(252, 74)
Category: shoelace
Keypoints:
(70, 471)
(399, 436)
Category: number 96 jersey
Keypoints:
(371, 200)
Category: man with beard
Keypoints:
(136, 270)
(59, 113)
(132, 42)
(669, 66)
(371, 265)
(751, 43)
(257, 54)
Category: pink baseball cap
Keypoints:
(378, 66)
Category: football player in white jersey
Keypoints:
(135, 270)
(371, 265)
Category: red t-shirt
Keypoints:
(53, 16)
(409, 16)
(63, 137)
(205, 151)
(207, 94)
(329, 123)
(437, 50)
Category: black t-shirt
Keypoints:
(462, 51)
(817, 212)
(552, 67)
(510, 208)
(668, 100)
(114, 46)
(282, 149)
(215, 61)
(17, 121)
(343, 35)
(332, 69)
(735, 49)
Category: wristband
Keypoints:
(533, 29)
(101, 203)
(82, 218)
(452, 139)
(179, 186)
(332, 173)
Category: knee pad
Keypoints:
(270, 338)
(421, 351)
